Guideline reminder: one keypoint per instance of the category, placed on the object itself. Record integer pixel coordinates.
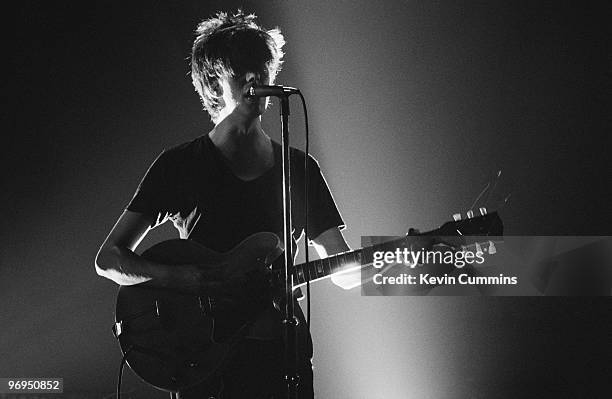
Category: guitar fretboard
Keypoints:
(315, 270)
(321, 268)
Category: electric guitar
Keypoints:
(174, 340)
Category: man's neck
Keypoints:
(238, 141)
(231, 135)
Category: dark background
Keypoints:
(413, 106)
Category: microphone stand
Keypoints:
(289, 320)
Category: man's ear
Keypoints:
(216, 88)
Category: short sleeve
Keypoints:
(153, 197)
(323, 213)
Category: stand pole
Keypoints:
(289, 320)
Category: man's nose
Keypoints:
(252, 76)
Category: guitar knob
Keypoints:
(483, 210)
(470, 214)
(202, 306)
(457, 217)
(492, 248)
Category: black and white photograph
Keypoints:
(304, 199)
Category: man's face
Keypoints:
(235, 96)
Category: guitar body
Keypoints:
(175, 340)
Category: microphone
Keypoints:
(272, 91)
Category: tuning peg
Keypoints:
(483, 210)
(492, 248)
(457, 217)
(470, 214)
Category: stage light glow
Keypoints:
(349, 277)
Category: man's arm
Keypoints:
(331, 242)
(117, 261)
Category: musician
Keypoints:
(222, 187)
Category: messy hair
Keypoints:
(230, 46)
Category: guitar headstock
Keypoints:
(485, 224)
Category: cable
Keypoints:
(123, 361)
(306, 181)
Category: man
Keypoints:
(223, 187)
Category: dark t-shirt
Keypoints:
(192, 185)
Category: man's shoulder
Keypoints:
(191, 158)
(185, 153)
(195, 147)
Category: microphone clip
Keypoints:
(271, 91)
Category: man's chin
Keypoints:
(257, 106)
(248, 111)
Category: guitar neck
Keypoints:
(344, 261)
(315, 270)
